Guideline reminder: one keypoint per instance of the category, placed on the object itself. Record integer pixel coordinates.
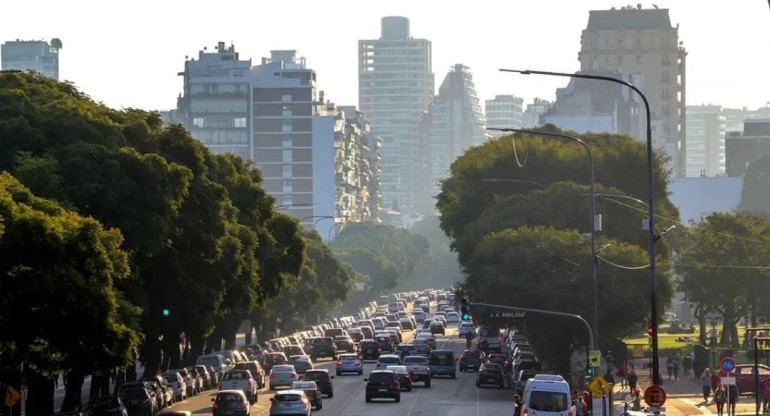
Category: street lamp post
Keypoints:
(331, 228)
(592, 214)
(650, 221)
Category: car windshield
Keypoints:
(213, 361)
(316, 375)
(135, 394)
(287, 397)
(548, 401)
(229, 398)
(380, 377)
(236, 375)
(489, 332)
(441, 359)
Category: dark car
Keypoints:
(404, 376)
(471, 359)
(256, 371)
(229, 403)
(383, 384)
(369, 349)
(521, 380)
(405, 350)
(490, 373)
(323, 380)
(323, 347)
(273, 359)
(345, 345)
(437, 327)
(139, 401)
(107, 406)
(385, 343)
(501, 359)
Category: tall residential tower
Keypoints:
(32, 55)
(642, 45)
(395, 88)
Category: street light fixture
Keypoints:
(280, 207)
(651, 220)
(591, 179)
(331, 228)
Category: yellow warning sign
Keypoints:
(599, 386)
(12, 396)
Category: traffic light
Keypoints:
(166, 312)
(465, 312)
(589, 371)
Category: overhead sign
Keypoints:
(517, 314)
(12, 396)
(594, 358)
(655, 396)
(599, 386)
(728, 365)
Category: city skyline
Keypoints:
(723, 65)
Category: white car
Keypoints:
(452, 318)
(465, 328)
(290, 402)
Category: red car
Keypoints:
(744, 377)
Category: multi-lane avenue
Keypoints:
(450, 397)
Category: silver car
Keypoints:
(290, 402)
(350, 363)
(386, 360)
(282, 376)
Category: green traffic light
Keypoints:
(589, 371)
(166, 312)
(466, 317)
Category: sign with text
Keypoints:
(517, 314)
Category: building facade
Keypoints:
(216, 101)
(319, 162)
(453, 123)
(742, 148)
(395, 88)
(31, 55)
(705, 141)
(642, 45)
(532, 116)
(503, 111)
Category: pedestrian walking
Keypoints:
(720, 396)
(622, 374)
(686, 364)
(766, 396)
(732, 399)
(705, 380)
(716, 380)
(670, 366)
(632, 379)
(516, 405)
(677, 361)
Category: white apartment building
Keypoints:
(705, 141)
(644, 46)
(395, 88)
(504, 111)
(31, 55)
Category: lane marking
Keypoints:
(350, 397)
(414, 403)
(478, 402)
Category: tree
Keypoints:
(545, 268)
(707, 265)
(755, 195)
(60, 269)
(440, 267)
(380, 272)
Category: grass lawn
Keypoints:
(669, 342)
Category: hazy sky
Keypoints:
(128, 53)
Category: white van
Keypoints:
(547, 395)
(216, 361)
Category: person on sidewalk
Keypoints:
(517, 405)
(670, 366)
(716, 380)
(677, 361)
(720, 397)
(632, 379)
(732, 399)
(622, 374)
(705, 380)
(766, 396)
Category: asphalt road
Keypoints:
(450, 397)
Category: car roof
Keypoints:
(396, 367)
(231, 392)
(302, 385)
(318, 370)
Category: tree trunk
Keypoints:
(100, 386)
(230, 325)
(171, 351)
(214, 341)
(152, 363)
(39, 395)
(74, 389)
(120, 378)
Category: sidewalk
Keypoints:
(684, 396)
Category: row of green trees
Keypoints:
(517, 212)
(118, 234)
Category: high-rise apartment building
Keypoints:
(504, 111)
(320, 162)
(216, 102)
(533, 114)
(395, 88)
(32, 55)
(643, 46)
(705, 141)
(453, 123)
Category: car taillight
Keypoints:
(251, 383)
(357, 363)
(339, 362)
(244, 405)
(272, 376)
(379, 349)
(394, 383)
(293, 375)
(526, 412)
(214, 406)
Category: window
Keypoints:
(548, 401)
(286, 143)
(286, 125)
(239, 122)
(286, 98)
(288, 199)
(638, 59)
(198, 121)
(287, 171)
(286, 156)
